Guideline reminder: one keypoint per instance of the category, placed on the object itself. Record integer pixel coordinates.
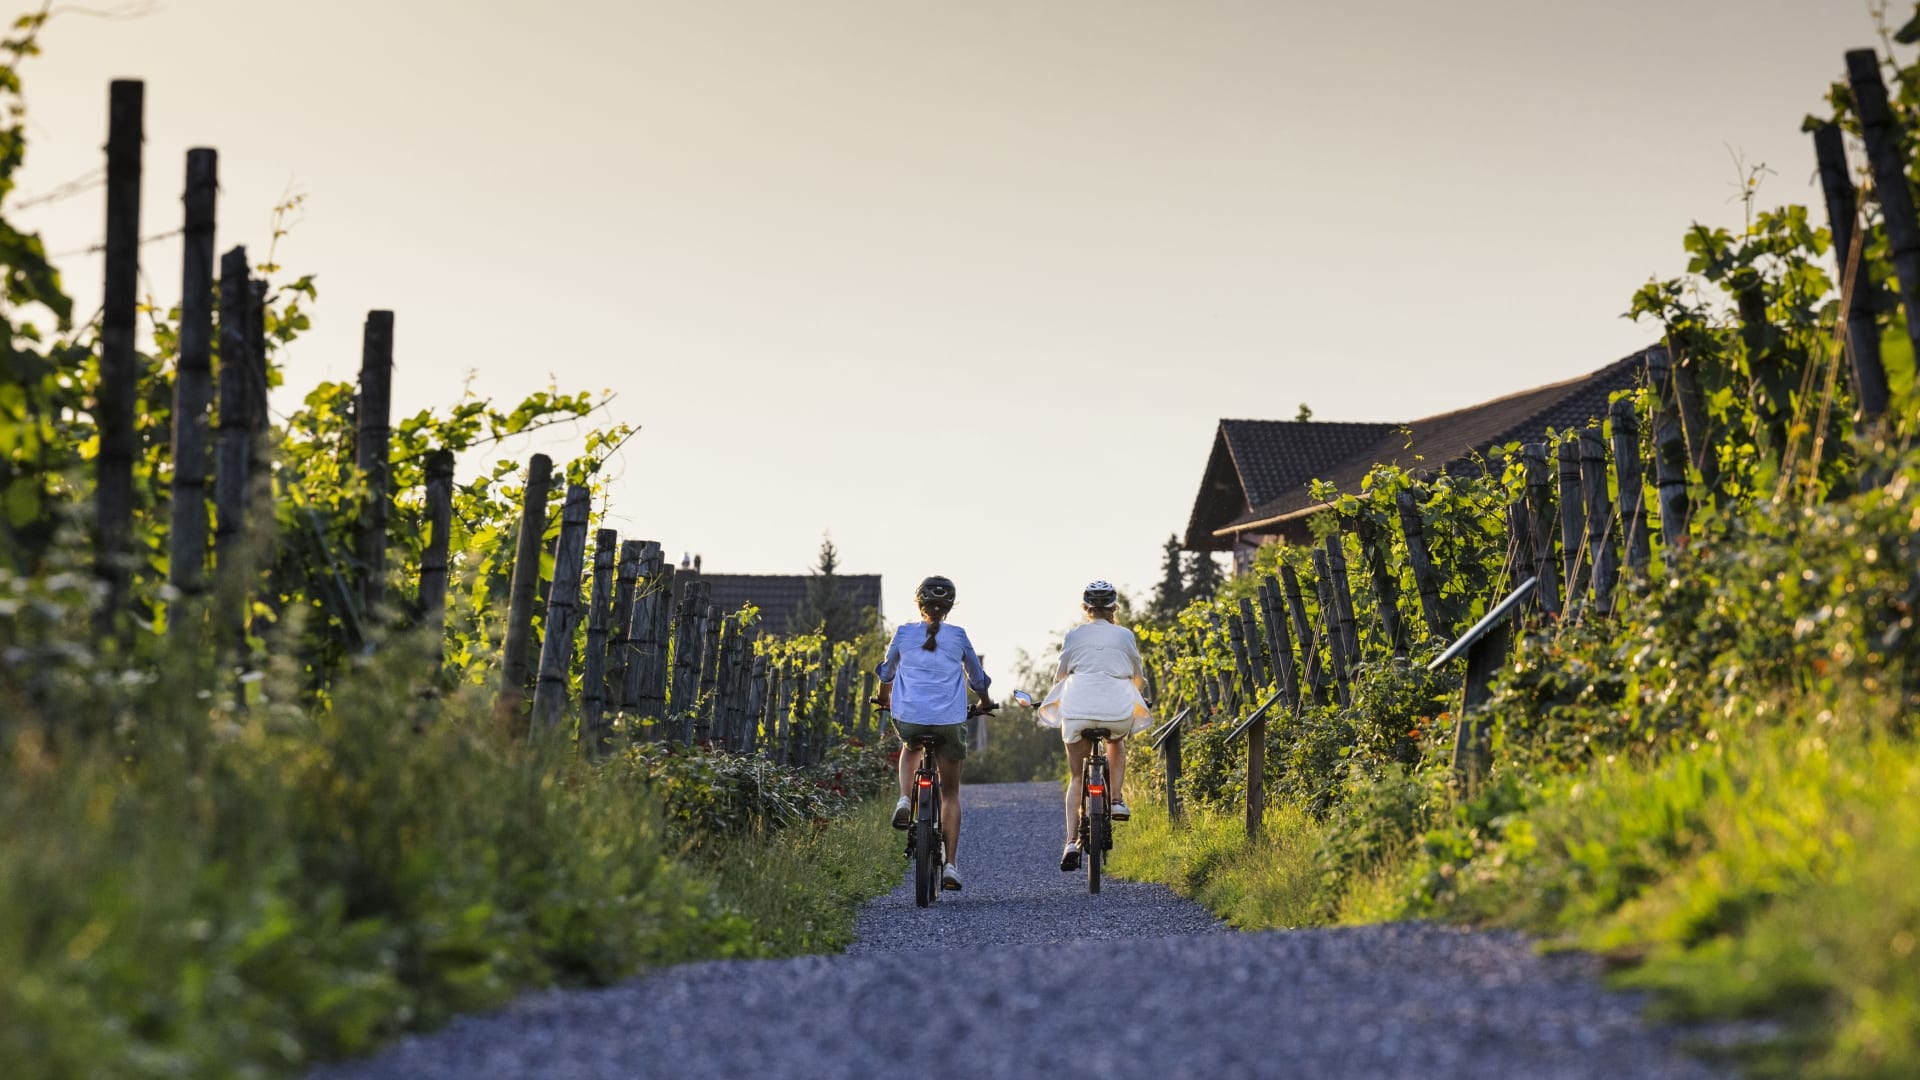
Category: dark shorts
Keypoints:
(953, 737)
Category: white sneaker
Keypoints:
(1119, 812)
(1070, 858)
(902, 813)
(950, 877)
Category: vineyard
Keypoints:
(307, 742)
(1696, 755)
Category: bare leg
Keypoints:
(1076, 780)
(1116, 768)
(909, 763)
(950, 806)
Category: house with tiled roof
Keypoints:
(780, 596)
(1259, 476)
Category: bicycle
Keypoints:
(926, 841)
(1096, 803)
(1096, 807)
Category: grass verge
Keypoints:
(800, 889)
(1253, 885)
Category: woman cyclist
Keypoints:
(1096, 686)
(923, 684)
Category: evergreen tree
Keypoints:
(1171, 594)
(826, 606)
(1203, 576)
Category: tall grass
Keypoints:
(1274, 881)
(200, 891)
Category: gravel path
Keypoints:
(1015, 956)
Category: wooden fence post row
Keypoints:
(1578, 528)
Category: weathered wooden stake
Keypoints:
(434, 559)
(563, 611)
(596, 724)
(1279, 642)
(1256, 777)
(1263, 666)
(620, 649)
(193, 385)
(1312, 678)
(756, 705)
(1386, 590)
(1336, 640)
(1887, 156)
(372, 452)
(1669, 455)
(1336, 574)
(1702, 447)
(119, 365)
(1242, 666)
(1413, 530)
(1599, 515)
(1573, 520)
(1843, 222)
(867, 679)
(1533, 459)
(516, 663)
(1631, 480)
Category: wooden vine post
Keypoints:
(1539, 478)
(1843, 222)
(233, 451)
(1413, 531)
(1599, 515)
(1312, 678)
(1386, 590)
(563, 612)
(1573, 520)
(1279, 643)
(1336, 641)
(434, 559)
(1887, 157)
(119, 366)
(1669, 454)
(515, 670)
(372, 451)
(193, 387)
(1630, 479)
(620, 646)
(596, 723)
(1336, 574)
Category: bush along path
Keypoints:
(1024, 974)
(1692, 747)
(320, 727)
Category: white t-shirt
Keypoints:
(1099, 678)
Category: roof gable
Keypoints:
(1256, 461)
(780, 596)
(1456, 440)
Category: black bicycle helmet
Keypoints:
(935, 590)
(1099, 594)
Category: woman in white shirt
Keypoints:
(1097, 685)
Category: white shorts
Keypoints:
(1116, 729)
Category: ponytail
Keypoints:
(934, 613)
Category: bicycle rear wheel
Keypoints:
(1096, 840)
(926, 853)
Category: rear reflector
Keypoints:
(1097, 789)
(926, 783)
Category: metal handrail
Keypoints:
(1256, 714)
(1487, 622)
(1169, 728)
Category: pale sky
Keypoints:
(965, 285)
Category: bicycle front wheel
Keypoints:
(926, 854)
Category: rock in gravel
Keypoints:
(1024, 974)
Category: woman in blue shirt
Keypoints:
(923, 683)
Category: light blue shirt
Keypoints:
(927, 686)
